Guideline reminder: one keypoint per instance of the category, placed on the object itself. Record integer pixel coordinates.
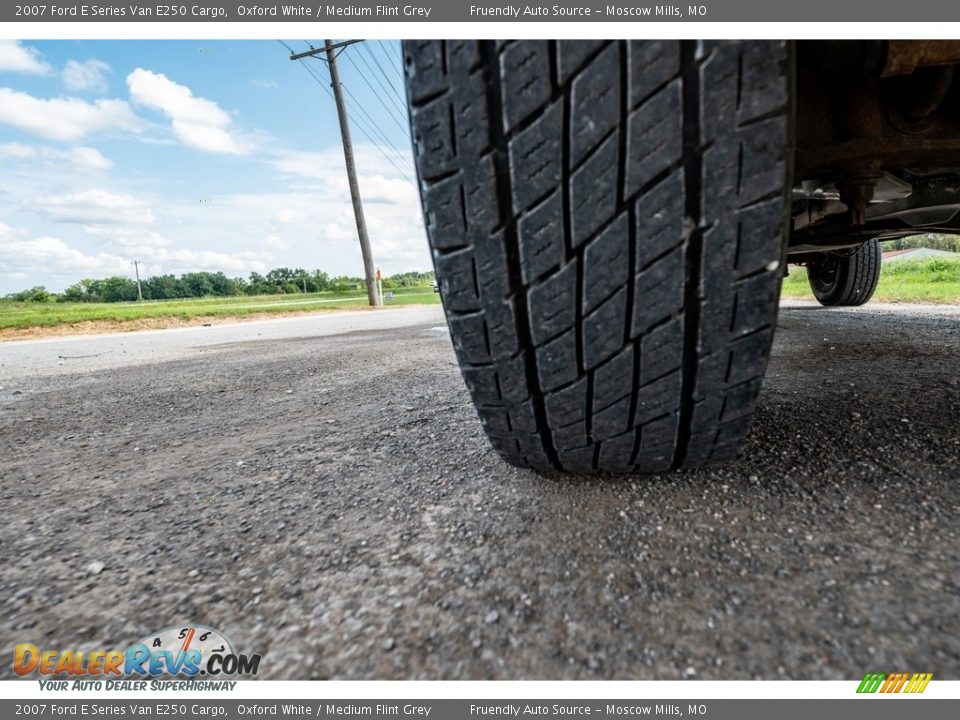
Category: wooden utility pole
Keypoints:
(136, 269)
(373, 294)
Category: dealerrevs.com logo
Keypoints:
(188, 652)
(910, 683)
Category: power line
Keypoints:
(395, 63)
(372, 122)
(380, 94)
(403, 103)
(363, 129)
(396, 122)
(401, 122)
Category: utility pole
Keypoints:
(373, 295)
(136, 269)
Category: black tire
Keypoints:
(607, 223)
(846, 278)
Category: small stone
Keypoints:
(193, 573)
(491, 617)
(95, 568)
(389, 644)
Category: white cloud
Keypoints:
(17, 150)
(134, 238)
(46, 258)
(8, 233)
(93, 207)
(264, 84)
(277, 243)
(333, 231)
(87, 75)
(163, 260)
(50, 255)
(18, 58)
(90, 158)
(81, 158)
(195, 121)
(287, 216)
(64, 118)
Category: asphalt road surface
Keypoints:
(327, 499)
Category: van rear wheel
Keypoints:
(846, 278)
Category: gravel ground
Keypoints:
(332, 504)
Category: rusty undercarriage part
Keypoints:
(877, 123)
(905, 56)
(876, 109)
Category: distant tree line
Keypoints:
(951, 243)
(278, 281)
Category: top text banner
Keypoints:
(461, 11)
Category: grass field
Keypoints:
(48, 315)
(932, 280)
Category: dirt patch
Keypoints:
(99, 327)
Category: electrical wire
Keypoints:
(364, 129)
(395, 62)
(359, 106)
(400, 126)
(380, 94)
(401, 122)
(393, 87)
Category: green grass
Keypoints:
(930, 280)
(27, 315)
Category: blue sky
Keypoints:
(197, 155)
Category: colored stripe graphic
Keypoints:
(871, 682)
(894, 683)
(918, 683)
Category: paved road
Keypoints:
(331, 503)
(70, 354)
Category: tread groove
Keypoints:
(693, 168)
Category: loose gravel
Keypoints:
(331, 503)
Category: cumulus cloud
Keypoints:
(64, 118)
(197, 122)
(7, 232)
(80, 158)
(18, 151)
(93, 207)
(135, 238)
(18, 58)
(277, 243)
(334, 231)
(87, 75)
(187, 260)
(90, 158)
(50, 255)
(287, 216)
